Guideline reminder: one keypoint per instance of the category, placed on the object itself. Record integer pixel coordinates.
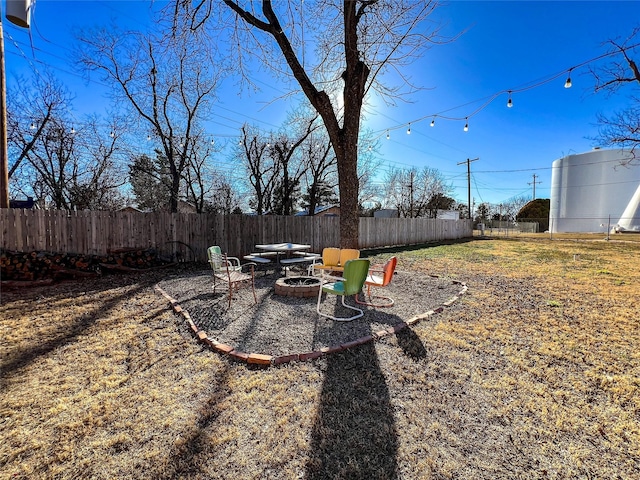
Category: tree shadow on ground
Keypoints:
(353, 435)
(66, 333)
(411, 344)
(186, 458)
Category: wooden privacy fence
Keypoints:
(186, 236)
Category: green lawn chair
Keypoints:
(354, 275)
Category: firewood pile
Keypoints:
(43, 265)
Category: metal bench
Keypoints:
(309, 257)
(299, 258)
(254, 257)
(257, 259)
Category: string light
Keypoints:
(388, 136)
(148, 137)
(466, 125)
(73, 130)
(212, 141)
(33, 126)
(567, 84)
(112, 134)
(409, 130)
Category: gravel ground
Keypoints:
(281, 325)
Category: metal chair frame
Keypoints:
(379, 276)
(355, 272)
(229, 270)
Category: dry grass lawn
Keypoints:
(535, 373)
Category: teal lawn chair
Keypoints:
(228, 271)
(354, 275)
(216, 260)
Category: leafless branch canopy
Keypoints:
(622, 129)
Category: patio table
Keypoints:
(284, 249)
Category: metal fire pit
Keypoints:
(297, 286)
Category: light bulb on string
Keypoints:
(73, 130)
(568, 84)
(33, 126)
(433, 122)
(509, 102)
(112, 134)
(409, 130)
(388, 136)
(148, 137)
(466, 125)
(213, 141)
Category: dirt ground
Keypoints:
(533, 373)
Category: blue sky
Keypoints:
(506, 45)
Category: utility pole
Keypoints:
(4, 154)
(534, 185)
(468, 162)
(411, 194)
(410, 186)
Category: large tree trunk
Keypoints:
(343, 139)
(348, 187)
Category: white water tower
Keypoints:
(593, 189)
(19, 12)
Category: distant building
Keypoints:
(130, 208)
(594, 191)
(386, 213)
(183, 207)
(448, 214)
(324, 211)
(28, 203)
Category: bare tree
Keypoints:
(30, 107)
(412, 190)
(320, 175)
(74, 169)
(508, 209)
(369, 164)
(287, 153)
(169, 83)
(289, 170)
(622, 129)
(262, 174)
(352, 43)
(225, 198)
(96, 180)
(200, 178)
